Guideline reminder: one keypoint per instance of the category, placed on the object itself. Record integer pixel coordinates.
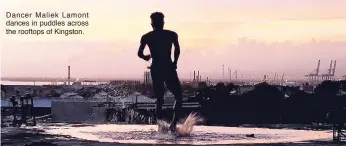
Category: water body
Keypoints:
(45, 83)
(39, 102)
(28, 83)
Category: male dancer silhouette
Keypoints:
(163, 69)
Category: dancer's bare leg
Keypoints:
(173, 84)
(177, 112)
(159, 103)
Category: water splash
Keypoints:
(183, 129)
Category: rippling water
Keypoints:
(198, 135)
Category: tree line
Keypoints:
(271, 104)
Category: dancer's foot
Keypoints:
(162, 127)
(173, 128)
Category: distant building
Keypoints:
(308, 88)
(169, 97)
(78, 83)
(124, 82)
(245, 89)
(147, 78)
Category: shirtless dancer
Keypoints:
(163, 69)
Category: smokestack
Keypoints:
(68, 75)
(194, 75)
(334, 67)
(330, 67)
(198, 75)
(146, 77)
(318, 67)
(223, 71)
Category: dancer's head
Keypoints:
(157, 20)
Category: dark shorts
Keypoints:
(168, 76)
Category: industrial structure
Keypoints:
(235, 74)
(147, 78)
(230, 75)
(233, 77)
(196, 78)
(315, 76)
(282, 79)
(331, 72)
(68, 75)
(265, 78)
(223, 71)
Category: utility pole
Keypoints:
(68, 75)
(223, 72)
(230, 75)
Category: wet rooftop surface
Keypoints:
(113, 134)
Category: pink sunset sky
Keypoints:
(255, 37)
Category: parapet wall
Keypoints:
(77, 111)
